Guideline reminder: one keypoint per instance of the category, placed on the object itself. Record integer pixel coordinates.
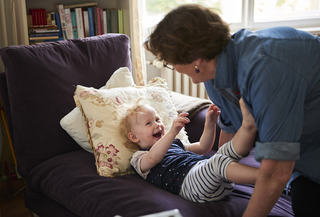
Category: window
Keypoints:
(252, 14)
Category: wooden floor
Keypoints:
(12, 202)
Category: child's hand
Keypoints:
(248, 120)
(179, 123)
(212, 115)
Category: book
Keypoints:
(42, 41)
(80, 26)
(108, 12)
(105, 27)
(42, 26)
(43, 38)
(102, 21)
(95, 20)
(114, 21)
(91, 22)
(62, 20)
(58, 24)
(67, 17)
(74, 24)
(86, 23)
(43, 34)
(44, 30)
(120, 21)
(98, 21)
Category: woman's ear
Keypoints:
(197, 61)
(132, 137)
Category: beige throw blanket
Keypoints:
(189, 104)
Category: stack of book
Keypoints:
(44, 33)
(75, 21)
(42, 26)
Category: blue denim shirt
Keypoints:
(277, 73)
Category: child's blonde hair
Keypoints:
(125, 124)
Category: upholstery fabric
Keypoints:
(37, 107)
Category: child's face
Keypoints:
(147, 128)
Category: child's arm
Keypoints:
(245, 136)
(160, 148)
(209, 132)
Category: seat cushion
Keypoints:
(71, 180)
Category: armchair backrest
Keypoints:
(38, 87)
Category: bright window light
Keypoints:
(251, 14)
(281, 10)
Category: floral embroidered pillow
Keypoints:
(102, 110)
(74, 124)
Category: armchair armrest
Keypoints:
(197, 109)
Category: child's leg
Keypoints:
(229, 150)
(236, 172)
(206, 181)
(241, 173)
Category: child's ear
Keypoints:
(132, 137)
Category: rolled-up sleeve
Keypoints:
(277, 151)
(136, 161)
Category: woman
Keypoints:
(277, 73)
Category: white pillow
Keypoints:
(73, 123)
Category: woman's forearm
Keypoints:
(272, 178)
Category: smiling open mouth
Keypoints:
(157, 135)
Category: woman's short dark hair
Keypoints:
(187, 33)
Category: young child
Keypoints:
(167, 163)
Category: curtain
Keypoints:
(13, 24)
(139, 62)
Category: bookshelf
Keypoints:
(128, 23)
(50, 5)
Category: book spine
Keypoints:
(79, 17)
(120, 21)
(105, 27)
(68, 20)
(98, 20)
(101, 21)
(43, 34)
(114, 21)
(41, 41)
(91, 21)
(95, 21)
(109, 21)
(62, 21)
(74, 24)
(43, 38)
(59, 24)
(86, 23)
